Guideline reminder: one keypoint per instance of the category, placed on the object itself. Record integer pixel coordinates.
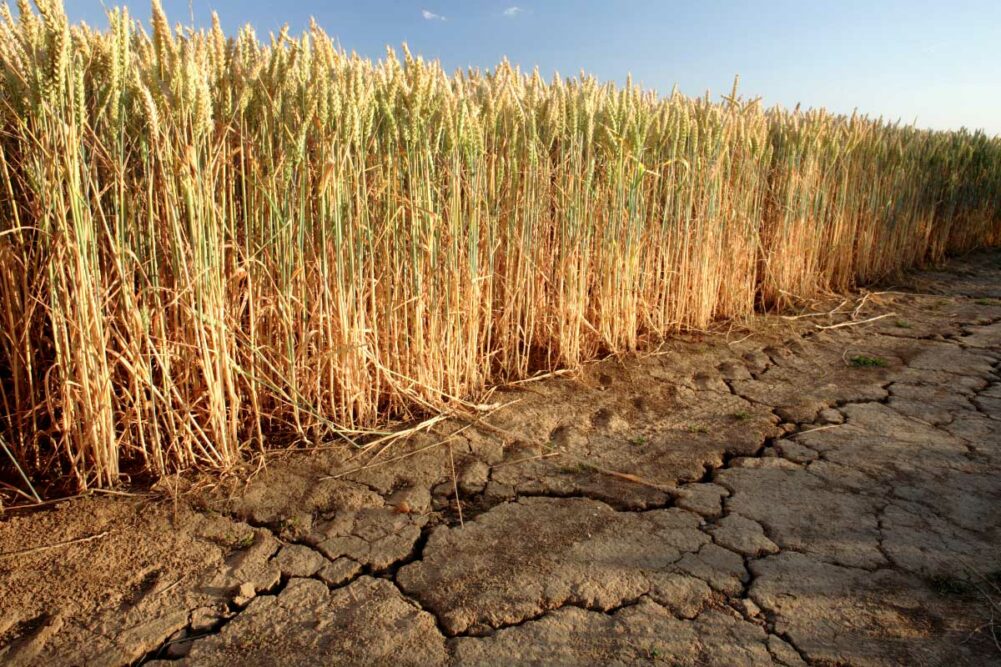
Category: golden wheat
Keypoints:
(208, 245)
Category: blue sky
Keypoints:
(935, 62)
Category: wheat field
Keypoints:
(211, 244)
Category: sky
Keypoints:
(932, 62)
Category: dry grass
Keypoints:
(208, 245)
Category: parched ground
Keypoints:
(787, 494)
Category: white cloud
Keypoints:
(431, 16)
(513, 11)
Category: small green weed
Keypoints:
(741, 415)
(638, 441)
(902, 324)
(865, 361)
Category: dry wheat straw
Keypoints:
(208, 242)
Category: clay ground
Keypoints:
(782, 494)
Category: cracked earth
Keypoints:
(788, 495)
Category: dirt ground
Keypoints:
(787, 493)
